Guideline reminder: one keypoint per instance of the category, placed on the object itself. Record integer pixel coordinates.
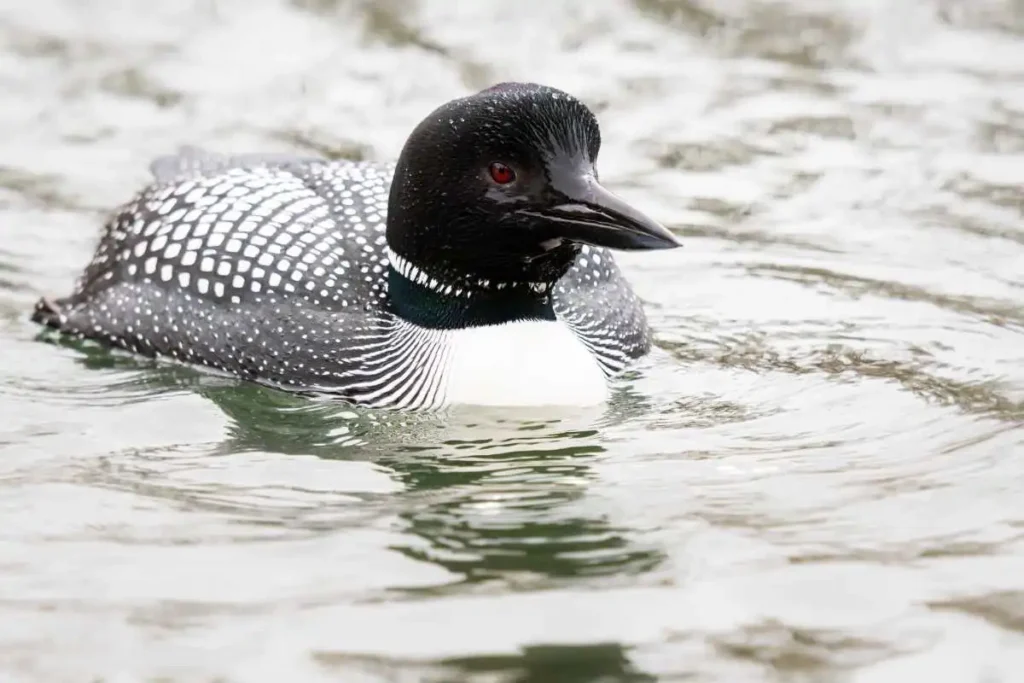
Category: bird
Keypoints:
(476, 268)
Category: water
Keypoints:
(816, 477)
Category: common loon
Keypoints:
(475, 269)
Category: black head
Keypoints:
(501, 186)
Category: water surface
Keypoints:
(817, 476)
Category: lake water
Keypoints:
(817, 476)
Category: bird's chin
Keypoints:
(551, 260)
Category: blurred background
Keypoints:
(817, 476)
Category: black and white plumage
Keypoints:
(473, 270)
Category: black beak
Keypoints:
(586, 212)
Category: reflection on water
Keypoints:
(489, 497)
(512, 516)
(815, 476)
(536, 664)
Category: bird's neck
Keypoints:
(449, 301)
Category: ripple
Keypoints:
(710, 156)
(992, 312)
(1003, 610)
(776, 31)
(134, 83)
(37, 189)
(983, 397)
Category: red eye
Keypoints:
(502, 174)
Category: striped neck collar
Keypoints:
(466, 287)
(425, 300)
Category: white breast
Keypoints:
(526, 363)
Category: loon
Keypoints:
(475, 269)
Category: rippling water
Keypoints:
(818, 475)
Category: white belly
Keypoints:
(527, 363)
